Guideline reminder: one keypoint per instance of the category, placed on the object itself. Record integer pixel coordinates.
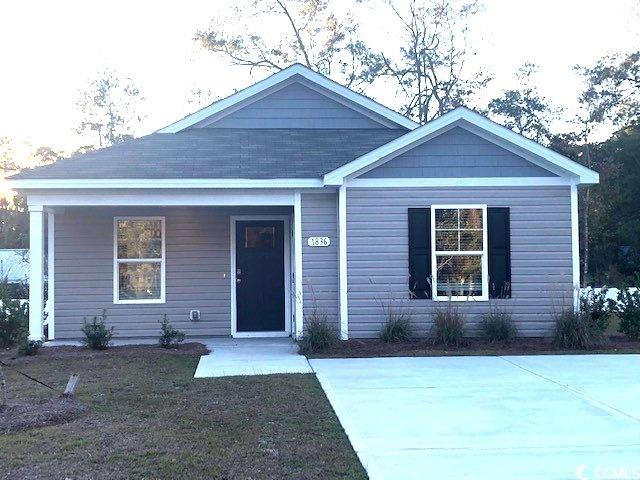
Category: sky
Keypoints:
(50, 50)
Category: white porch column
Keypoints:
(36, 271)
(297, 252)
(575, 247)
(342, 261)
(50, 275)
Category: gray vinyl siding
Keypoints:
(541, 260)
(295, 106)
(320, 264)
(457, 153)
(197, 270)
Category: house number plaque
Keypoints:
(318, 241)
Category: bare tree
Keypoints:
(110, 108)
(430, 70)
(272, 34)
(46, 156)
(8, 161)
(613, 88)
(524, 109)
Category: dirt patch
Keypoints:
(23, 416)
(423, 348)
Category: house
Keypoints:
(14, 271)
(297, 195)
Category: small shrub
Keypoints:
(573, 331)
(318, 336)
(628, 311)
(96, 334)
(449, 326)
(595, 306)
(498, 326)
(14, 317)
(29, 347)
(169, 336)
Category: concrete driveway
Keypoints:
(526, 417)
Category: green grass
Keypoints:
(148, 418)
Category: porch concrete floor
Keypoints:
(251, 356)
(545, 417)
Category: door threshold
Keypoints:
(260, 334)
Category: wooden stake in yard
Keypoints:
(70, 390)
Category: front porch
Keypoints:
(203, 260)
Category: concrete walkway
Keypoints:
(529, 417)
(251, 356)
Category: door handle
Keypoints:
(238, 281)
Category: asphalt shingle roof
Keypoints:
(222, 153)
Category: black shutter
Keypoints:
(499, 248)
(420, 252)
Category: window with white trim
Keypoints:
(139, 260)
(459, 252)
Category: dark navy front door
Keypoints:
(260, 292)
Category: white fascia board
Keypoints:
(137, 183)
(158, 197)
(437, 126)
(278, 78)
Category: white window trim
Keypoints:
(116, 262)
(484, 259)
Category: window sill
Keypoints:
(139, 302)
(461, 299)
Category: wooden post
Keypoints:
(70, 390)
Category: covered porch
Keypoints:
(217, 262)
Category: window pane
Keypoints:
(139, 239)
(471, 240)
(447, 240)
(446, 218)
(471, 218)
(459, 276)
(260, 237)
(139, 281)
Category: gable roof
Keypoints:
(478, 124)
(281, 79)
(227, 154)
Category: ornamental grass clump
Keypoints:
(572, 331)
(319, 336)
(449, 326)
(397, 326)
(396, 329)
(498, 326)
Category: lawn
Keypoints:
(148, 418)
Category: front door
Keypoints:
(260, 278)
